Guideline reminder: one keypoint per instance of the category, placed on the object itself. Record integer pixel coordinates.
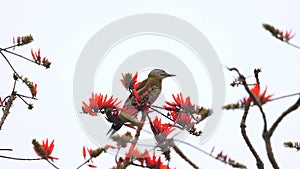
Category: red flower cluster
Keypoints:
(227, 160)
(182, 119)
(161, 132)
(33, 89)
(279, 34)
(84, 155)
(23, 40)
(133, 153)
(260, 96)
(153, 162)
(93, 154)
(44, 150)
(37, 59)
(130, 82)
(144, 158)
(181, 110)
(161, 129)
(99, 104)
(180, 104)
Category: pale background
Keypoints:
(62, 28)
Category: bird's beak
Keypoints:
(170, 75)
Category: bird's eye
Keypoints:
(103, 110)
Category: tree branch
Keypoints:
(6, 109)
(22, 159)
(255, 100)
(259, 163)
(180, 153)
(267, 139)
(285, 113)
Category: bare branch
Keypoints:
(284, 114)
(259, 163)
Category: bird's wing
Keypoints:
(111, 118)
(152, 89)
(142, 84)
(154, 93)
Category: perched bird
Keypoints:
(149, 90)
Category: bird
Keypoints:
(149, 89)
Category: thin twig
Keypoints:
(10, 65)
(13, 53)
(14, 87)
(285, 96)
(22, 159)
(256, 72)
(161, 113)
(51, 164)
(116, 156)
(6, 149)
(285, 113)
(22, 99)
(202, 151)
(157, 107)
(197, 148)
(296, 46)
(13, 46)
(28, 97)
(84, 163)
(180, 153)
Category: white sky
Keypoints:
(62, 28)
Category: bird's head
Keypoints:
(159, 74)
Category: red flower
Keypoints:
(36, 56)
(94, 154)
(133, 153)
(182, 119)
(288, 35)
(92, 166)
(100, 103)
(133, 81)
(84, 156)
(130, 82)
(161, 132)
(153, 162)
(44, 150)
(161, 129)
(84, 152)
(279, 33)
(180, 104)
(261, 97)
(33, 89)
(37, 59)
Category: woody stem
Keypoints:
(180, 153)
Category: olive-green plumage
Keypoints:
(148, 90)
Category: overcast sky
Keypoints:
(62, 29)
